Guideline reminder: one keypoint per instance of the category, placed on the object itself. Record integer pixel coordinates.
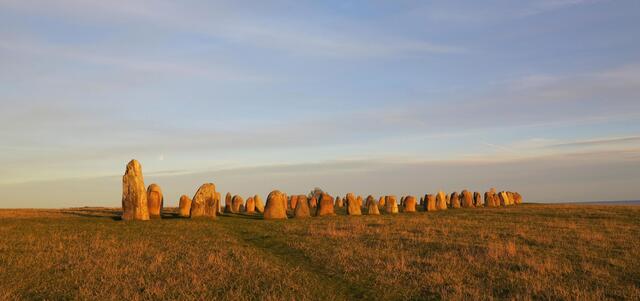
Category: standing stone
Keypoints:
(511, 200)
(134, 195)
(276, 206)
(339, 202)
(372, 206)
(302, 208)
(489, 199)
(250, 206)
(504, 199)
(204, 201)
(409, 204)
(466, 199)
(430, 203)
(477, 199)
(381, 201)
(218, 198)
(236, 203)
(391, 204)
(259, 205)
(354, 204)
(228, 203)
(517, 198)
(325, 205)
(402, 201)
(155, 201)
(185, 206)
(293, 202)
(454, 200)
(441, 201)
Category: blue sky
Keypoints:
(381, 97)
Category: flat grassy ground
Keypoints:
(573, 252)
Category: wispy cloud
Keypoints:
(601, 141)
(228, 21)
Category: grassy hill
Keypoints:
(523, 252)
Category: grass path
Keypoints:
(266, 238)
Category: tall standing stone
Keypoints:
(204, 202)
(276, 207)
(155, 201)
(185, 206)
(134, 195)
(381, 201)
(339, 202)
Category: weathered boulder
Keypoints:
(402, 201)
(228, 203)
(372, 206)
(339, 202)
(134, 195)
(354, 204)
(517, 198)
(276, 207)
(477, 199)
(466, 199)
(409, 204)
(441, 201)
(250, 206)
(430, 203)
(511, 200)
(302, 207)
(218, 203)
(259, 205)
(489, 199)
(381, 201)
(185, 206)
(204, 201)
(293, 201)
(504, 198)
(155, 201)
(454, 200)
(236, 203)
(391, 204)
(325, 205)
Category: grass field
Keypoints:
(570, 252)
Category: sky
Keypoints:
(373, 97)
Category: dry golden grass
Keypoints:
(526, 252)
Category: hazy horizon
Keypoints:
(373, 97)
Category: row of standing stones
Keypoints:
(139, 203)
